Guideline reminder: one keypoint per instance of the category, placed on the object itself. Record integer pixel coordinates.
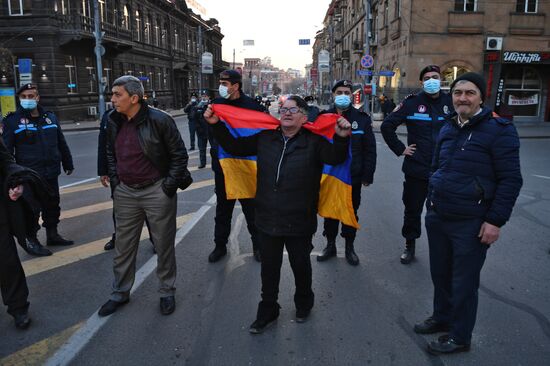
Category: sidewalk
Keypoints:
(70, 126)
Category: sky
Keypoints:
(275, 26)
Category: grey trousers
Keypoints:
(131, 207)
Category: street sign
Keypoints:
(313, 73)
(324, 61)
(101, 50)
(386, 73)
(207, 63)
(367, 61)
(25, 65)
(303, 42)
(364, 72)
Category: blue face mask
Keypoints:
(28, 104)
(342, 101)
(432, 86)
(224, 92)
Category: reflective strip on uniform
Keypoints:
(23, 129)
(49, 126)
(358, 132)
(418, 118)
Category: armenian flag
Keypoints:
(240, 172)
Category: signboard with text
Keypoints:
(521, 57)
(207, 63)
(324, 61)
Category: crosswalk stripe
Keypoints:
(39, 352)
(78, 253)
(101, 206)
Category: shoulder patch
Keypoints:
(412, 95)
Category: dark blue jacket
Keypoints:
(102, 145)
(40, 146)
(423, 116)
(476, 169)
(363, 145)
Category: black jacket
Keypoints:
(40, 146)
(363, 145)
(102, 145)
(161, 143)
(476, 169)
(423, 117)
(288, 175)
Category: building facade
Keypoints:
(505, 40)
(158, 41)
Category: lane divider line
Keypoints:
(70, 349)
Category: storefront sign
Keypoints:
(531, 100)
(7, 101)
(526, 57)
(500, 89)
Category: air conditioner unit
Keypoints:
(92, 111)
(494, 44)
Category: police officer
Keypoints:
(230, 90)
(190, 110)
(312, 109)
(202, 128)
(363, 165)
(34, 136)
(423, 114)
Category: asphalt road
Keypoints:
(362, 316)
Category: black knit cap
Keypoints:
(232, 76)
(475, 78)
(429, 68)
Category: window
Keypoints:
(176, 44)
(465, 5)
(19, 7)
(526, 6)
(450, 74)
(157, 34)
(147, 31)
(61, 6)
(138, 26)
(70, 66)
(397, 8)
(92, 80)
(125, 18)
(522, 95)
(102, 10)
(107, 72)
(86, 10)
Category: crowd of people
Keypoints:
(461, 162)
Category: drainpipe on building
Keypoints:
(99, 51)
(367, 5)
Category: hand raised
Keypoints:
(209, 116)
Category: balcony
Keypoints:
(527, 24)
(345, 54)
(395, 28)
(357, 47)
(467, 22)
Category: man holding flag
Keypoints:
(231, 93)
(289, 160)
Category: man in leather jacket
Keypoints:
(147, 163)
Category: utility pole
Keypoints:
(200, 59)
(99, 51)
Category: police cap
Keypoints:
(28, 86)
(345, 83)
(429, 68)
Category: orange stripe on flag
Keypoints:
(240, 178)
(335, 202)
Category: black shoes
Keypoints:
(267, 314)
(430, 326)
(446, 345)
(167, 305)
(110, 245)
(328, 252)
(53, 238)
(408, 254)
(257, 255)
(218, 253)
(302, 315)
(22, 321)
(351, 257)
(110, 307)
(33, 247)
(202, 166)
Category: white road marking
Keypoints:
(541, 176)
(79, 182)
(70, 349)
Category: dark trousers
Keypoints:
(456, 259)
(414, 195)
(192, 132)
(348, 232)
(224, 212)
(299, 249)
(13, 284)
(49, 209)
(202, 142)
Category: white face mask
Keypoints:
(224, 91)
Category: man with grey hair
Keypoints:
(146, 163)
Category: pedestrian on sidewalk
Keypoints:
(231, 93)
(202, 128)
(290, 162)
(475, 183)
(423, 114)
(192, 119)
(363, 165)
(33, 135)
(147, 162)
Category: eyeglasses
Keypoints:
(292, 110)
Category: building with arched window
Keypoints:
(155, 40)
(505, 40)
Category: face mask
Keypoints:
(342, 101)
(28, 104)
(204, 100)
(310, 104)
(223, 90)
(193, 100)
(432, 86)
